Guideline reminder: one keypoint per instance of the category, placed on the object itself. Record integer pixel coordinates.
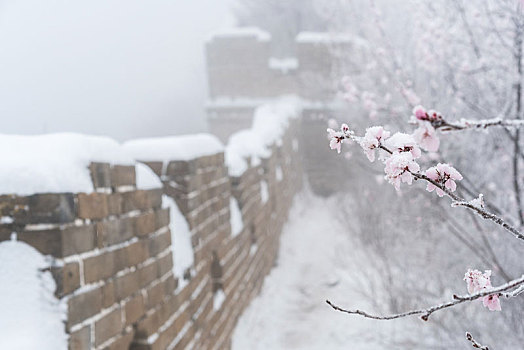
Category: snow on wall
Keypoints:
(238, 32)
(146, 179)
(185, 147)
(278, 173)
(235, 217)
(236, 102)
(269, 125)
(183, 254)
(264, 191)
(31, 316)
(284, 65)
(323, 37)
(55, 163)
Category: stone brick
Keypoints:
(175, 168)
(114, 204)
(165, 264)
(82, 306)
(170, 284)
(134, 309)
(99, 267)
(155, 198)
(121, 259)
(136, 200)
(100, 175)
(148, 274)
(137, 252)
(93, 205)
(108, 294)
(108, 326)
(123, 175)
(67, 278)
(159, 243)
(114, 231)
(81, 339)
(145, 223)
(127, 284)
(11, 204)
(162, 218)
(155, 295)
(148, 325)
(47, 208)
(122, 343)
(78, 239)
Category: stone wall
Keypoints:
(242, 75)
(112, 252)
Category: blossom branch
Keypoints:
(374, 139)
(426, 312)
(475, 344)
(438, 122)
(477, 124)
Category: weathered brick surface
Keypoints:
(108, 326)
(114, 231)
(122, 343)
(67, 278)
(134, 309)
(100, 174)
(47, 209)
(123, 175)
(116, 258)
(81, 339)
(93, 205)
(83, 306)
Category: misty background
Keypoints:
(119, 68)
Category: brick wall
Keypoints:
(112, 249)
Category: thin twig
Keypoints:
(426, 312)
(475, 344)
(476, 124)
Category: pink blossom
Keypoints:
(492, 302)
(401, 142)
(426, 137)
(434, 115)
(443, 174)
(372, 140)
(478, 282)
(399, 168)
(420, 113)
(336, 139)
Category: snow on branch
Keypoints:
(438, 122)
(475, 344)
(426, 312)
(401, 167)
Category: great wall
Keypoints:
(112, 248)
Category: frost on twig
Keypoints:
(426, 312)
(474, 343)
(438, 122)
(401, 167)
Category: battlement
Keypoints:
(164, 253)
(242, 74)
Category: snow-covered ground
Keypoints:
(316, 261)
(30, 315)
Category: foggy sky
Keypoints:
(123, 68)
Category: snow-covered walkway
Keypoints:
(315, 262)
